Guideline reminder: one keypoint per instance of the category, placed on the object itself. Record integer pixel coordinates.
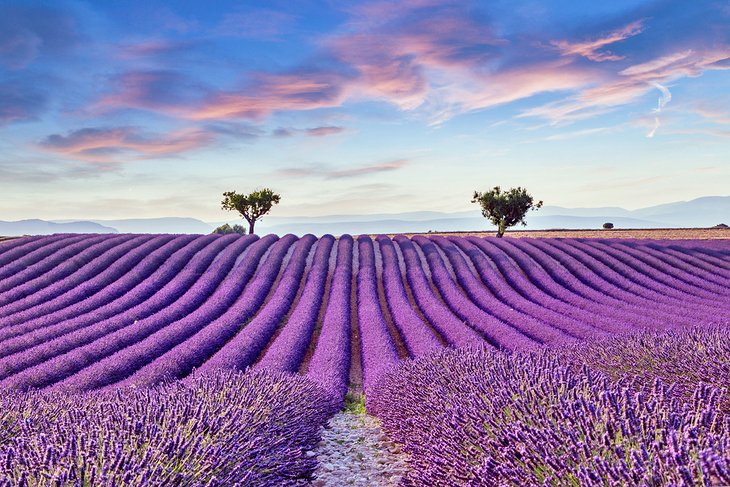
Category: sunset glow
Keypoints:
(147, 109)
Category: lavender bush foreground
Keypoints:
(480, 417)
(224, 429)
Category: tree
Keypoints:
(607, 226)
(226, 229)
(505, 209)
(251, 206)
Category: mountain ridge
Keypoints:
(700, 212)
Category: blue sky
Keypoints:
(147, 109)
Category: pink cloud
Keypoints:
(371, 169)
(713, 114)
(157, 90)
(438, 58)
(397, 49)
(590, 49)
(271, 93)
(154, 48)
(324, 131)
(110, 145)
(330, 173)
(683, 63)
(630, 84)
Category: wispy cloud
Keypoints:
(438, 58)
(579, 133)
(27, 32)
(590, 49)
(327, 172)
(323, 131)
(158, 48)
(20, 102)
(713, 114)
(628, 85)
(114, 144)
(168, 91)
(271, 93)
(663, 100)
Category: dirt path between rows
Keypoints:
(354, 451)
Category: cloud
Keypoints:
(579, 133)
(657, 66)
(628, 85)
(323, 131)
(20, 102)
(165, 49)
(282, 132)
(115, 144)
(439, 59)
(665, 98)
(719, 133)
(326, 172)
(240, 131)
(28, 32)
(168, 91)
(447, 58)
(712, 113)
(271, 93)
(397, 49)
(590, 49)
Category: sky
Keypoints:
(133, 109)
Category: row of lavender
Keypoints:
(226, 429)
(647, 409)
(94, 312)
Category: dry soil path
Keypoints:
(354, 451)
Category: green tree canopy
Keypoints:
(505, 208)
(252, 206)
(226, 229)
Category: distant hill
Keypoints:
(701, 212)
(707, 211)
(42, 227)
(449, 224)
(156, 225)
(698, 213)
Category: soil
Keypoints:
(641, 233)
(354, 451)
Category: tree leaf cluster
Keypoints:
(505, 208)
(252, 206)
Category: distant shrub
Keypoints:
(608, 225)
(227, 229)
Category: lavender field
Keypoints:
(122, 324)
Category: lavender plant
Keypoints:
(480, 417)
(225, 429)
(683, 358)
(330, 364)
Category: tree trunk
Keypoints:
(250, 226)
(501, 229)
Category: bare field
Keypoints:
(642, 233)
